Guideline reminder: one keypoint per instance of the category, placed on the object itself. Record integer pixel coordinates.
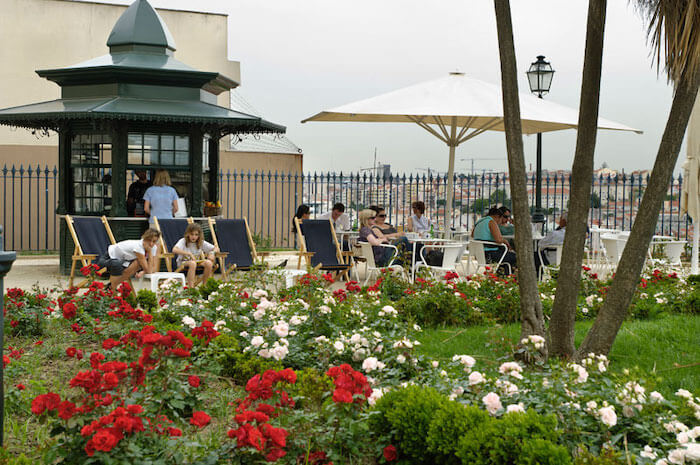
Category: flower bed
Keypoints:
(244, 373)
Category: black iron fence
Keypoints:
(269, 199)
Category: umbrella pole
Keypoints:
(694, 256)
(450, 179)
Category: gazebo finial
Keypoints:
(141, 25)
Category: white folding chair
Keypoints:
(371, 267)
(451, 257)
(476, 250)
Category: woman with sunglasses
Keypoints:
(381, 226)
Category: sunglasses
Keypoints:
(372, 217)
(381, 216)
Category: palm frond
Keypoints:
(674, 29)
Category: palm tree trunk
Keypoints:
(530, 304)
(600, 338)
(561, 326)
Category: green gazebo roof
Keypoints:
(139, 80)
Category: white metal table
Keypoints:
(424, 240)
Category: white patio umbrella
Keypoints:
(690, 194)
(454, 109)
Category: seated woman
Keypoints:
(382, 226)
(486, 229)
(193, 251)
(382, 255)
(418, 222)
(303, 213)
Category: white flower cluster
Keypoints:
(533, 340)
(467, 361)
(582, 374)
(511, 369)
(388, 310)
(632, 397)
(600, 362)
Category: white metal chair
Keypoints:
(613, 245)
(452, 256)
(672, 251)
(476, 250)
(371, 267)
(546, 269)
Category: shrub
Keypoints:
(517, 438)
(147, 300)
(439, 306)
(208, 287)
(236, 364)
(606, 457)
(311, 387)
(450, 422)
(406, 415)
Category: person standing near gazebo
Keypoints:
(134, 196)
(160, 200)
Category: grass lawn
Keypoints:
(666, 350)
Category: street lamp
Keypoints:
(539, 76)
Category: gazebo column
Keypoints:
(64, 142)
(119, 157)
(196, 146)
(214, 168)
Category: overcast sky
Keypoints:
(299, 57)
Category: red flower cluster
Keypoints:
(340, 295)
(376, 286)
(69, 310)
(254, 429)
(451, 275)
(307, 279)
(390, 453)
(126, 311)
(352, 286)
(315, 458)
(328, 278)
(205, 332)
(348, 384)
(110, 429)
(89, 269)
(73, 352)
(15, 293)
(200, 419)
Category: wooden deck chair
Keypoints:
(171, 231)
(319, 245)
(92, 237)
(233, 238)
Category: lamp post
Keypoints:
(6, 260)
(539, 76)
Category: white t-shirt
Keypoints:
(191, 247)
(126, 250)
(341, 224)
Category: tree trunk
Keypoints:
(561, 326)
(530, 305)
(600, 338)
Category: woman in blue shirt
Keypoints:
(160, 200)
(486, 229)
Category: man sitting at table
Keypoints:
(554, 238)
(486, 229)
(341, 221)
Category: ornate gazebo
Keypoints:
(136, 108)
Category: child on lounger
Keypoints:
(131, 257)
(192, 251)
